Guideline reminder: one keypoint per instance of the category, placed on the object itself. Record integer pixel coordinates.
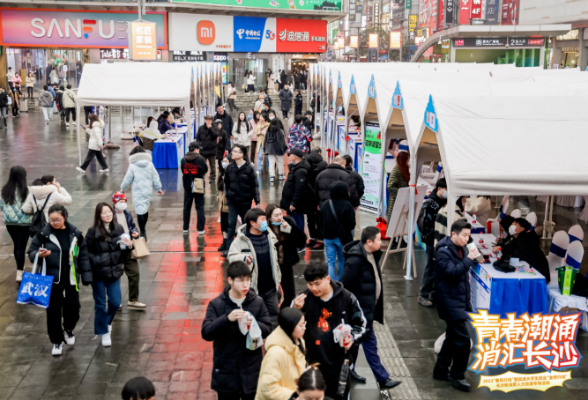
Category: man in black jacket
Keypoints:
(227, 123)
(207, 136)
(363, 278)
(221, 145)
(193, 167)
(452, 268)
(334, 172)
(307, 121)
(295, 199)
(315, 228)
(3, 105)
(428, 214)
(286, 98)
(235, 369)
(326, 304)
(356, 180)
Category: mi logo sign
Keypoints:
(205, 32)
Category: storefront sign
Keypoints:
(355, 13)
(189, 56)
(220, 57)
(449, 12)
(74, 28)
(476, 10)
(571, 35)
(492, 13)
(341, 42)
(354, 42)
(412, 24)
(114, 54)
(464, 12)
(247, 34)
(142, 40)
(428, 11)
(373, 41)
(304, 57)
(520, 42)
(499, 42)
(395, 40)
(572, 49)
(510, 12)
(334, 5)
(398, 7)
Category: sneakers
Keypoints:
(70, 339)
(389, 384)
(281, 177)
(136, 305)
(46, 122)
(104, 170)
(119, 309)
(110, 327)
(106, 341)
(272, 180)
(310, 243)
(186, 231)
(57, 349)
(81, 170)
(67, 124)
(223, 246)
(200, 233)
(318, 246)
(425, 302)
(19, 275)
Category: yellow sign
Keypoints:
(341, 43)
(373, 41)
(395, 40)
(142, 41)
(412, 22)
(354, 42)
(513, 381)
(336, 45)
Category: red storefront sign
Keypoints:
(476, 6)
(301, 36)
(464, 12)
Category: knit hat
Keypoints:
(118, 196)
(403, 146)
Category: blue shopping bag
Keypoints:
(35, 288)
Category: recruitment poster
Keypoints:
(372, 168)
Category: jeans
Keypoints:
(456, 349)
(211, 165)
(70, 111)
(428, 283)
(334, 250)
(90, 156)
(273, 159)
(285, 114)
(20, 237)
(370, 348)
(103, 316)
(299, 219)
(198, 200)
(3, 112)
(134, 276)
(260, 158)
(235, 210)
(270, 298)
(142, 220)
(47, 113)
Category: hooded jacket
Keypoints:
(95, 135)
(357, 181)
(69, 99)
(358, 277)
(106, 257)
(286, 98)
(241, 185)
(227, 125)
(430, 209)
(296, 190)
(452, 281)
(281, 367)
(193, 166)
(344, 222)
(58, 196)
(299, 137)
(275, 142)
(324, 316)
(234, 368)
(317, 165)
(207, 138)
(79, 263)
(334, 173)
(144, 178)
(242, 247)
(45, 98)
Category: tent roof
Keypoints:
(135, 84)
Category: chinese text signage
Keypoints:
(476, 10)
(188, 56)
(354, 42)
(114, 54)
(499, 42)
(142, 40)
(395, 40)
(317, 5)
(373, 41)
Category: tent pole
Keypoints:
(110, 124)
(545, 218)
(78, 134)
(122, 118)
(411, 210)
(133, 116)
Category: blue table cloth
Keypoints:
(167, 154)
(518, 295)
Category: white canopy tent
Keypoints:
(135, 84)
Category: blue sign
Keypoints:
(431, 116)
(372, 89)
(397, 101)
(352, 88)
(339, 84)
(248, 33)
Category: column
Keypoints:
(583, 51)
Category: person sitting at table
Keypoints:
(164, 123)
(524, 244)
(441, 218)
(481, 206)
(150, 135)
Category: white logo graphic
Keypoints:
(206, 32)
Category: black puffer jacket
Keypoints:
(357, 181)
(274, 142)
(527, 247)
(222, 145)
(193, 166)
(207, 138)
(241, 185)
(332, 229)
(296, 190)
(3, 99)
(106, 257)
(452, 281)
(306, 122)
(286, 97)
(334, 173)
(227, 126)
(358, 277)
(290, 245)
(317, 165)
(235, 368)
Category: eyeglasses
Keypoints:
(55, 221)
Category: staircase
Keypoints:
(246, 103)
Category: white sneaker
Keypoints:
(106, 342)
(67, 124)
(272, 180)
(57, 349)
(201, 233)
(136, 305)
(281, 177)
(70, 339)
(81, 170)
(47, 122)
(186, 231)
(19, 275)
(110, 327)
(104, 170)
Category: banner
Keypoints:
(142, 41)
(373, 41)
(510, 12)
(372, 167)
(476, 10)
(449, 12)
(492, 13)
(395, 40)
(334, 5)
(464, 12)
(354, 42)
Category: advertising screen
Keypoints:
(334, 5)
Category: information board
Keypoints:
(372, 168)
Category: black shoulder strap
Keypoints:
(333, 211)
(44, 204)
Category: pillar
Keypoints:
(583, 51)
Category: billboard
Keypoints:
(395, 40)
(510, 12)
(193, 32)
(142, 41)
(318, 5)
(354, 42)
(373, 41)
(25, 27)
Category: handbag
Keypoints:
(35, 288)
(140, 249)
(198, 186)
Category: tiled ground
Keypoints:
(177, 282)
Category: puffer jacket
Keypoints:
(317, 165)
(69, 99)
(286, 98)
(95, 135)
(242, 247)
(359, 186)
(164, 126)
(275, 142)
(241, 135)
(41, 193)
(106, 257)
(396, 181)
(281, 367)
(13, 214)
(334, 173)
(3, 98)
(193, 166)
(31, 81)
(59, 99)
(144, 178)
(207, 138)
(296, 191)
(45, 98)
(241, 185)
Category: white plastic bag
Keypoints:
(245, 322)
(254, 340)
(342, 334)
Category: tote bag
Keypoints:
(35, 288)
(140, 248)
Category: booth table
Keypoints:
(503, 293)
(476, 226)
(167, 153)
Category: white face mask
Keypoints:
(512, 230)
(121, 206)
(271, 117)
(225, 165)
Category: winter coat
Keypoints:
(334, 173)
(282, 365)
(16, 81)
(59, 99)
(271, 82)
(296, 190)
(227, 125)
(395, 182)
(298, 104)
(527, 247)
(13, 214)
(357, 181)
(232, 93)
(307, 123)
(31, 81)
(481, 206)
(345, 214)
(358, 277)
(106, 257)
(221, 146)
(41, 192)
(283, 78)
(130, 221)
(242, 247)
(69, 99)
(452, 281)
(144, 178)
(324, 316)
(81, 263)
(207, 138)
(431, 208)
(241, 185)
(251, 80)
(3, 99)
(95, 141)
(164, 126)
(286, 98)
(45, 98)
(317, 165)
(234, 367)
(299, 137)
(260, 132)
(292, 241)
(275, 142)
(441, 229)
(242, 135)
(193, 166)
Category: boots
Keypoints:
(223, 246)
(5, 123)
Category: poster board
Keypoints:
(398, 220)
(372, 168)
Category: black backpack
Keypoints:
(39, 222)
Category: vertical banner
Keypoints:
(476, 9)
(464, 12)
(373, 41)
(510, 12)
(372, 167)
(142, 41)
(491, 12)
(449, 12)
(354, 42)
(395, 40)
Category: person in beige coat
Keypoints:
(284, 359)
(42, 188)
(481, 206)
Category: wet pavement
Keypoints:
(178, 280)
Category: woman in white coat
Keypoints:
(250, 83)
(242, 132)
(45, 189)
(481, 206)
(143, 177)
(95, 144)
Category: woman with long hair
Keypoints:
(14, 194)
(399, 178)
(242, 131)
(95, 144)
(260, 132)
(310, 385)
(275, 147)
(271, 82)
(164, 122)
(107, 251)
(254, 121)
(30, 84)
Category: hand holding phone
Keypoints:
(43, 252)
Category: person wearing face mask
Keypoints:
(426, 224)
(255, 244)
(124, 218)
(297, 199)
(441, 229)
(194, 167)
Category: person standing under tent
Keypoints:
(399, 177)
